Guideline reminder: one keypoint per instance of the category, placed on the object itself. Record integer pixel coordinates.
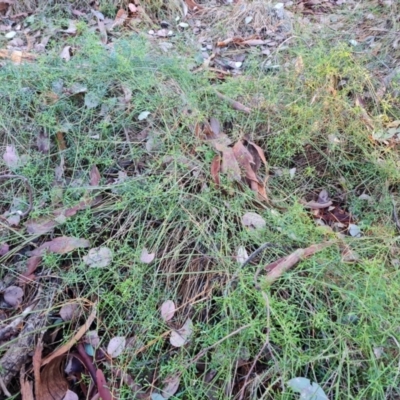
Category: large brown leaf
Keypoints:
(60, 245)
(53, 384)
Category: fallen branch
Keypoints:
(235, 104)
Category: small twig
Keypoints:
(4, 389)
(235, 104)
(28, 186)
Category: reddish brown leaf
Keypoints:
(44, 225)
(102, 387)
(279, 267)
(60, 245)
(260, 152)
(67, 346)
(31, 266)
(245, 160)
(53, 384)
(215, 169)
(94, 176)
(26, 386)
(40, 226)
(193, 6)
(120, 18)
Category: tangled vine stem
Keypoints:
(7, 177)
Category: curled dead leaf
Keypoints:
(180, 337)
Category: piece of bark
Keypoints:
(19, 353)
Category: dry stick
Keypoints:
(7, 177)
(235, 104)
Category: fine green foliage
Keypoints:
(333, 322)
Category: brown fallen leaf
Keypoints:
(17, 56)
(94, 176)
(253, 220)
(25, 385)
(180, 337)
(31, 266)
(279, 267)
(364, 114)
(146, 257)
(120, 18)
(132, 8)
(78, 335)
(246, 161)
(215, 169)
(53, 384)
(60, 245)
(102, 387)
(44, 225)
(193, 6)
(100, 23)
